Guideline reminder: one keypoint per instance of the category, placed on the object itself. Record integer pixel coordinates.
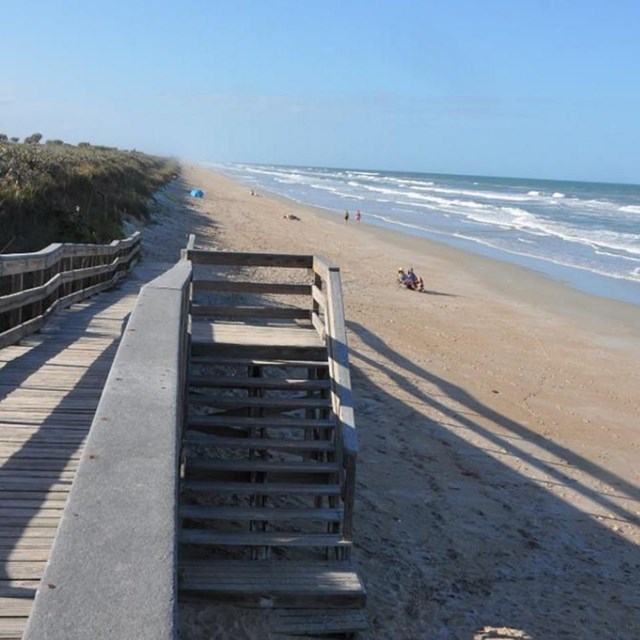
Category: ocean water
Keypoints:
(584, 234)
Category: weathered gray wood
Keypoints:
(119, 258)
(259, 488)
(266, 466)
(270, 514)
(293, 446)
(250, 312)
(263, 422)
(275, 584)
(250, 259)
(252, 287)
(208, 537)
(239, 382)
(228, 402)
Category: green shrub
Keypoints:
(61, 193)
(34, 138)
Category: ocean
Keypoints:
(584, 234)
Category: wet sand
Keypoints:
(498, 478)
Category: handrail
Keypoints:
(112, 572)
(33, 286)
(327, 282)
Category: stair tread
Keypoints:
(293, 403)
(241, 382)
(271, 514)
(263, 488)
(305, 585)
(321, 363)
(310, 466)
(260, 443)
(259, 421)
(304, 622)
(206, 536)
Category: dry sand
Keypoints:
(498, 492)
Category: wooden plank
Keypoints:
(322, 266)
(237, 286)
(262, 422)
(257, 465)
(228, 402)
(319, 297)
(265, 489)
(307, 622)
(209, 537)
(319, 326)
(288, 313)
(268, 514)
(12, 607)
(280, 363)
(233, 258)
(240, 382)
(23, 570)
(260, 444)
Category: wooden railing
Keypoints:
(33, 286)
(326, 315)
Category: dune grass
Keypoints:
(65, 193)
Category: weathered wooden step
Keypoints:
(307, 585)
(240, 382)
(292, 352)
(319, 363)
(262, 488)
(258, 403)
(261, 539)
(259, 444)
(200, 423)
(301, 622)
(270, 514)
(257, 465)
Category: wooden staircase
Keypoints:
(268, 475)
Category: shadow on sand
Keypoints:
(470, 538)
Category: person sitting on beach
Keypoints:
(410, 280)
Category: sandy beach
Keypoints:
(499, 469)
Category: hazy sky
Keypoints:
(530, 88)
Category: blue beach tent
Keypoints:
(197, 193)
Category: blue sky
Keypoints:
(530, 88)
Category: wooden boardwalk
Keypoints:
(50, 386)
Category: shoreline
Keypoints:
(580, 279)
(499, 465)
(596, 312)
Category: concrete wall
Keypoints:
(112, 569)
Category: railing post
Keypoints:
(16, 286)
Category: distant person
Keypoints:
(346, 216)
(358, 216)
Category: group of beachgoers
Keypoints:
(410, 280)
(346, 216)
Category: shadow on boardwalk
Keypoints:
(457, 516)
(37, 474)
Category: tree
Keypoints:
(34, 138)
(3, 137)
(15, 139)
(56, 142)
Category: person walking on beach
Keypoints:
(346, 216)
(358, 216)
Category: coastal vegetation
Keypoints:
(58, 192)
